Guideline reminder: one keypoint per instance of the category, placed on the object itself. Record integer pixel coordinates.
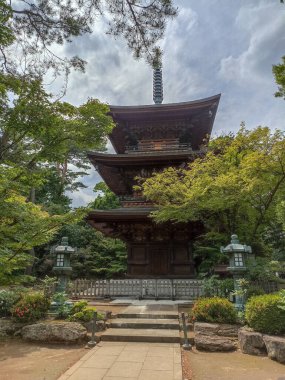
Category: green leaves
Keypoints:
(6, 33)
(43, 148)
(105, 199)
(279, 74)
(235, 188)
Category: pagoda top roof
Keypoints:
(137, 111)
(190, 121)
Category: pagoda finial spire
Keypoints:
(157, 85)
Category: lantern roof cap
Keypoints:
(63, 246)
(235, 246)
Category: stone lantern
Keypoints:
(62, 266)
(238, 255)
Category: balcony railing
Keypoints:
(150, 148)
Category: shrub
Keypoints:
(62, 307)
(48, 285)
(254, 290)
(85, 315)
(263, 314)
(282, 299)
(78, 306)
(213, 286)
(31, 307)
(214, 310)
(8, 298)
(226, 287)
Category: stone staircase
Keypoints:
(150, 323)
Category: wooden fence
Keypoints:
(181, 289)
(137, 288)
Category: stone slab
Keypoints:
(140, 323)
(150, 311)
(128, 361)
(141, 335)
(219, 329)
(214, 343)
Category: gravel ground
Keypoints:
(232, 365)
(28, 361)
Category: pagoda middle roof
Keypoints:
(147, 158)
(114, 168)
(191, 121)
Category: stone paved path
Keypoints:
(128, 361)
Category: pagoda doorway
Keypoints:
(159, 260)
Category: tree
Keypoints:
(39, 136)
(105, 199)
(30, 30)
(279, 74)
(101, 258)
(24, 225)
(97, 256)
(39, 139)
(235, 188)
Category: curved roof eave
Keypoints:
(166, 106)
(158, 114)
(131, 159)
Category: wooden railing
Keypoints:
(137, 288)
(154, 148)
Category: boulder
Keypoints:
(8, 327)
(216, 329)
(275, 346)
(214, 343)
(251, 342)
(55, 332)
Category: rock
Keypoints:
(275, 346)
(216, 329)
(214, 343)
(8, 327)
(55, 332)
(251, 342)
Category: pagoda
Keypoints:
(148, 139)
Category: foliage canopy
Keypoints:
(39, 141)
(235, 188)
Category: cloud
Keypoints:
(266, 40)
(211, 47)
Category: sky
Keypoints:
(213, 46)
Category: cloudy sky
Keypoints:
(213, 46)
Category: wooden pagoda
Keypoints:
(147, 139)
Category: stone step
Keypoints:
(139, 323)
(148, 315)
(141, 335)
(156, 311)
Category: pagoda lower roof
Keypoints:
(189, 121)
(120, 215)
